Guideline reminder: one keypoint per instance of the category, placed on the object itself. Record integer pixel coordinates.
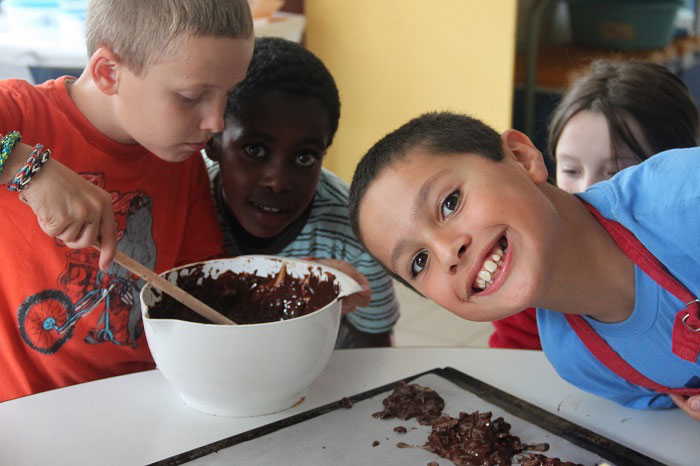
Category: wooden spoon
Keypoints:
(281, 275)
(165, 286)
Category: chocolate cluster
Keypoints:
(468, 440)
(413, 400)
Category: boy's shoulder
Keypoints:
(657, 201)
(329, 208)
(332, 191)
(663, 176)
(667, 162)
(673, 159)
(20, 97)
(327, 229)
(20, 87)
(18, 92)
(15, 84)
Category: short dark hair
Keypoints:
(647, 93)
(285, 66)
(437, 133)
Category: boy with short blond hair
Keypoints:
(466, 217)
(152, 94)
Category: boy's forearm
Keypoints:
(15, 160)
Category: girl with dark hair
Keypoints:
(617, 115)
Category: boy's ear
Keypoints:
(104, 68)
(519, 146)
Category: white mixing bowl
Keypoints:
(245, 370)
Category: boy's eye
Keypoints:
(255, 151)
(418, 263)
(306, 159)
(450, 204)
(189, 98)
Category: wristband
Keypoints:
(8, 143)
(36, 160)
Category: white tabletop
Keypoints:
(139, 419)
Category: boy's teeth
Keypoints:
(490, 267)
(266, 208)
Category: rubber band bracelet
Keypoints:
(8, 143)
(36, 160)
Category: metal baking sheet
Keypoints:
(333, 434)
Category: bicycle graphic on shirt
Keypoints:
(47, 319)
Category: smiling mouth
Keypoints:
(268, 209)
(491, 267)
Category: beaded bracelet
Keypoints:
(36, 160)
(8, 143)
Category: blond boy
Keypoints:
(121, 171)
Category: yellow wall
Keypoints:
(394, 59)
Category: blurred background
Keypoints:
(503, 61)
(506, 62)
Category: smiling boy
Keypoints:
(271, 192)
(121, 136)
(466, 217)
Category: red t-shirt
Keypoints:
(62, 320)
(518, 331)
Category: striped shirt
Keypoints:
(327, 234)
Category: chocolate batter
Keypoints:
(247, 298)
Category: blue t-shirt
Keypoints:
(659, 202)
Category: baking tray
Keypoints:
(333, 434)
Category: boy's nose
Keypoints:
(213, 119)
(451, 252)
(274, 177)
(213, 123)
